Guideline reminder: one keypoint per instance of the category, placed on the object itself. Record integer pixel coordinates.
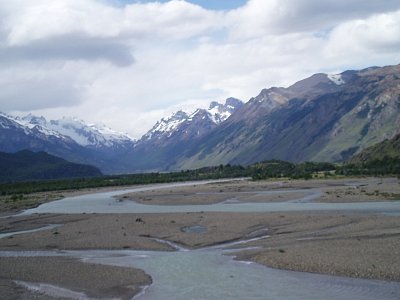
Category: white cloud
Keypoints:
(28, 88)
(68, 47)
(377, 35)
(128, 66)
(41, 19)
(260, 17)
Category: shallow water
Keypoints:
(48, 227)
(107, 203)
(194, 229)
(207, 274)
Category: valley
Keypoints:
(336, 116)
(197, 149)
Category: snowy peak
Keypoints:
(34, 120)
(233, 103)
(220, 112)
(317, 84)
(180, 120)
(75, 129)
(166, 126)
(32, 125)
(90, 135)
(8, 122)
(68, 128)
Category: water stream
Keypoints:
(209, 274)
(108, 203)
(47, 227)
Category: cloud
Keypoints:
(69, 47)
(25, 90)
(377, 35)
(173, 20)
(260, 17)
(42, 19)
(128, 65)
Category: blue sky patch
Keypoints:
(209, 4)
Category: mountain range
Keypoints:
(68, 138)
(161, 147)
(321, 118)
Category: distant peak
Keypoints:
(180, 113)
(234, 102)
(32, 119)
(216, 113)
(214, 104)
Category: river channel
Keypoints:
(210, 274)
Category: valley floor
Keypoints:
(337, 243)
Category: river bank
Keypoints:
(332, 191)
(67, 278)
(356, 245)
(343, 243)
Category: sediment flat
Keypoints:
(336, 243)
(90, 280)
(332, 191)
(356, 245)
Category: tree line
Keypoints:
(257, 171)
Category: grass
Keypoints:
(21, 202)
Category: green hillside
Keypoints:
(28, 165)
(388, 148)
(380, 159)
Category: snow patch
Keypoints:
(336, 79)
(218, 114)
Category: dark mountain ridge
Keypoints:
(27, 165)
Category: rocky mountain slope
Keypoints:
(28, 165)
(321, 118)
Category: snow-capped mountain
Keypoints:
(197, 122)
(35, 126)
(171, 136)
(86, 135)
(68, 138)
(320, 118)
(166, 126)
(17, 134)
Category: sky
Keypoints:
(208, 4)
(128, 63)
